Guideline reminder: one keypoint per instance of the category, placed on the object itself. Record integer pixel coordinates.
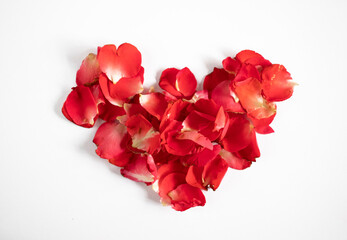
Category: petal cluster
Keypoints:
(181, 141)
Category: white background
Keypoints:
(53, 185)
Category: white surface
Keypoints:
(53, 185)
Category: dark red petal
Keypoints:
(238, 135)
(194, 177)
(277, 83)
(111, 139)
(214, 78)
(249, 93)
(251, 152)
(224, 96)
(186, 196)
(119, 63)
(231, 65)
(143, 135)
(141, 168)
(89, 71)
(214, 172)
(251, 57)
(154, 103)
(168, 81)
(234, 161)
(80, 107)
(109, 112)
(179, 83)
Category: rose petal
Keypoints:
(217, 76)
(238, 135)
(168, 183)
(143, 135)
(179, 83)
(141, 168)
(117, 94)
(231, 65)
(111, 140)
(154, 103)
(89, 71)
(186, 196)
(224, 96)
(80, 107)
(249, 93)
(251, 57)
(234, 161)
(214, 172)
(277, 83)
(119, 63)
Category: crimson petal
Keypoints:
(80, 107)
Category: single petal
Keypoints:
(217, 76)
(214, 172)
(224, 96)
(141, 168)
(277, 83)
(186, 196)
(194, 177)
(251, 57)
(89, 71)
(154, 103)
(119, 63)
(234, 161)
(251, 152)
(231, 65)
(111, 140)
(238, 135)
(262, 125)
(80, 107)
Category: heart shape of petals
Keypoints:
(181, 141)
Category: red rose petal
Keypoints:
(89, 71)
(186, 196)
(214, 172)
(249, 93)
(141, 168)
(238, 135)
(217, 76)
(111, 140)
(194, 177)
(109, 112)
(224, 96)
(202, 158)
(251, 57)
(154, 103)
(168, 183)
(234, 161)
(179, 83)
(119, 63)
(231, 65)
(144, 136)
(196, 138)
(277, 83)
(80, 107)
